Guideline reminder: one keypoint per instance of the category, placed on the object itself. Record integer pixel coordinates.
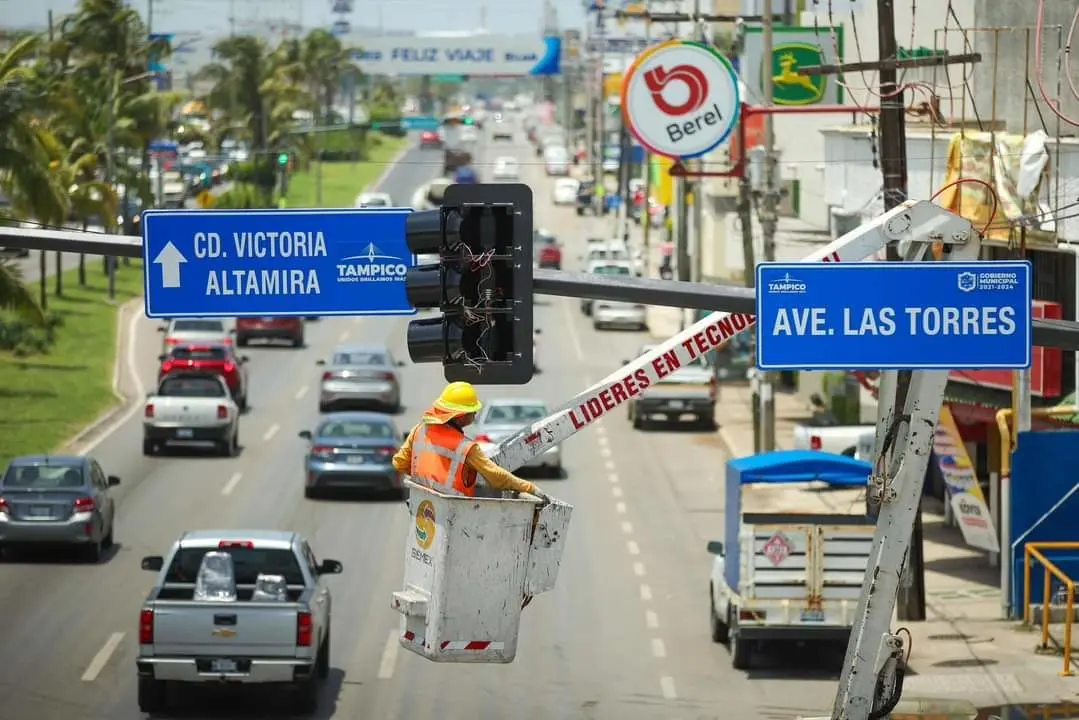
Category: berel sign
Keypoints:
(221, 263)
(680, 98)
(893, 316)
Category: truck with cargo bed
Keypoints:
(262, 620)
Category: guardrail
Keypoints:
(1032, 552)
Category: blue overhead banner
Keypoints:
(893, 315)
(220, 263)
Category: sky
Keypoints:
(210, 17)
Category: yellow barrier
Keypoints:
(1033, 552)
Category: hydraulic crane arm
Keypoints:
(914, 223)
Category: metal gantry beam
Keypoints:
(1062, 334)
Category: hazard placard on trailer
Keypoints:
(680, 99)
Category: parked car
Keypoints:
(58, 500)
(208, 359)
(237, 607)
(290, 329)
(360, 376)
(352, 451)
(586, 193)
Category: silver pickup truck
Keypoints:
(191, 409)
(686, 395)
(246, 637)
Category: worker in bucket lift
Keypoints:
(438, 452)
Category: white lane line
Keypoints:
(343, 336)
(602, 438)
(627, 528)
(633, 547)
(620, 508)
(601, 431)
(609, 466)
(646, 593)
(271, 432)
(651, 619)
(658, 648)
(638, 570)
(613, 479)
(232, 483)
(666, 684)
(136, 380)
(98, 663)
(604, 451)
(388, 663)
(301, 392)
(574, 337)
(616, 491)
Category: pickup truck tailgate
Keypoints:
(184, 411)
(679, 390)
(800, 562)
(236, 629)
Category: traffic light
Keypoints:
(282, 159)
(482, 284)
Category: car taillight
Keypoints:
(386, 376)
(146, 627)
(84, 504)
(228, 368)
(3, 505)
(149, 410)
(222, 412)
(327, 376)
(171, 341)
(386, 452)
(236, 544)
(305, 629)
(484, 438)
(814, 442)
(166, 367)
(321, 451)
(226, 341)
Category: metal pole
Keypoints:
(114, 92)
(768, 220)
(701, 33)
(601, 105)
(646, 173)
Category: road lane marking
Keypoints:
(602, 438)
(609, 466)
(658, 648)
(232, 483)
(613, 479)
(574, 338)
(620, 508)
(98, 663)
(139, 388)
(666, 684)
(646, 592)
(388, 662)
(651, 619)
(616, 491)
(604, 451)
(627, 528)
(638, 569)
(301, 392)
(343, 336)
(271, 432)
(633, 547)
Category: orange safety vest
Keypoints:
(438, 457)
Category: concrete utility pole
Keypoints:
(601, 105)
(768, 220)
(646, 172)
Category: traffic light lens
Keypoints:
(423, 286)
(282, 159)
(423, 232)
(429, 340)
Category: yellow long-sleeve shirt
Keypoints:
(498, 478)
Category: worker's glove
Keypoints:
(544, 499)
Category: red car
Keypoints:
(430, 139)
(269, 328)
(215, 359)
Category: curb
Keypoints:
(122, 401)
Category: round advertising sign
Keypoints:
(680, 99)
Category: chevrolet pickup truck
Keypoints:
(191, 408)
(686, 395)
(241, 607)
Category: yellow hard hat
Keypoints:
(459, 397)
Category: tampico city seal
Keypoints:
(680, 99)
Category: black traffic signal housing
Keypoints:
(482, 284)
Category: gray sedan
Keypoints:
(57, 500)
(352, 451)
(360, 377)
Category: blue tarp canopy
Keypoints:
(796, 466)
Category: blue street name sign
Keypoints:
(421, 123)
(893, 316)
(221, 263)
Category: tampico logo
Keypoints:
(371, 266)
(786, 285)
(967, 281)
(425, 524)
(790, 87)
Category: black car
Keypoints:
(586, 193)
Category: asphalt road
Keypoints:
(624, 635)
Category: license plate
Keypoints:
(355, 459)
(677, 404)
(184, 433)
(40, 511)
(223, 666)
(812, 616)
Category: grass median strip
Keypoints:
(46, 399)
(343, 181)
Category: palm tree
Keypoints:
(326, 62)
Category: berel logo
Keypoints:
(658, 78)
(371, 266)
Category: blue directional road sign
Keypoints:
(221, 263)
(421, 122)
(893, 316)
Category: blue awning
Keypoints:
(796, 466)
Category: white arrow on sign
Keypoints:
(170, 259)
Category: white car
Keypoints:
(617, 314)
(502, 417)
(203, 331)
(506, 169)
(565, 191)
(374, 200)
(194, 408)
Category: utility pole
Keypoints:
(601, 107)
(113, 98)
(768, 220)
(701, 34)
(646, 172)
